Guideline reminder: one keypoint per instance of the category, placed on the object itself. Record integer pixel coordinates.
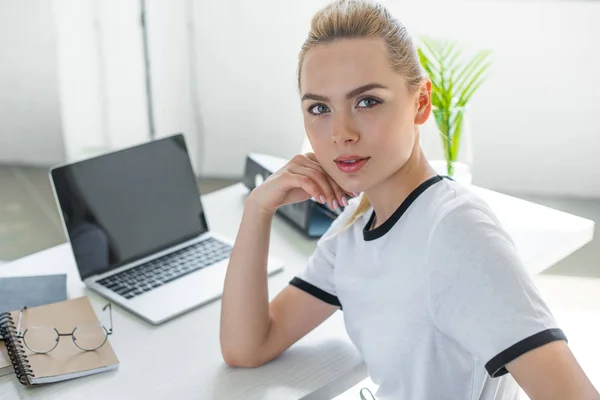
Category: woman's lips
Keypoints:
(351, 167)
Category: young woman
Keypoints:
(434, 294)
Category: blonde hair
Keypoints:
(347, 19)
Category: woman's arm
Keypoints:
(252, 330)
(552, 372)
(485, 298)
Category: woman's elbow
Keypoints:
(237, 360)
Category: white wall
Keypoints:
(247, 79)
(534, 122)
(176, 101)
(30, 124)
(101, 75)
(71, 79)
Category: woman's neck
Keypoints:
(389, 194)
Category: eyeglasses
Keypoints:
(44, 339)
(366, 394)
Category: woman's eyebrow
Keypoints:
(364, 88)
(349, 95)
(312, 96)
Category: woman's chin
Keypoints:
(352, 188)
(349, 183)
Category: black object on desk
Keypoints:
(309, 217)
(31, 291)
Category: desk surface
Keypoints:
(182, 359)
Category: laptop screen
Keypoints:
(129, 204)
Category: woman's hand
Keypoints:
(299, 180)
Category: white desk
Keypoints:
(182, 359)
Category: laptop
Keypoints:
(135, 223)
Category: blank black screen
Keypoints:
(128, 204)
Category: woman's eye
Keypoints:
(367, 103)
(318, 109)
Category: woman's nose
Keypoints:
(343, 130)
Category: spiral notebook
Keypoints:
(66, 361)
(31, 291)
(5, 364)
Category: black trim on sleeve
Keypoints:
(497, 366)
(315, 291)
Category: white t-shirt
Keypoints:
(436, 299)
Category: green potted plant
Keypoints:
(455, 77)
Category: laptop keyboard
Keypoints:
(145, 277)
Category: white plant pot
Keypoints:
(434, 150)
(462, 172)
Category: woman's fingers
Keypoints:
(339, 192)
(294, 180)
(340, 196)
(302, 176)
(327, 193)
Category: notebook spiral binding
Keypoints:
(16, 351)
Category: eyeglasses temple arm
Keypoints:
(20, 319)
(109, 306)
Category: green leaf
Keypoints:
(467, 95)
(457, 53)
(454, 80)
(465, 76)
(453, 68)
(475, 82)
(431, 69)
(435, 99)
(432, 46)
(458, 126)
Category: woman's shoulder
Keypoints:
(459, 205)
(462, 217)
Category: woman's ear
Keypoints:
(423, 103)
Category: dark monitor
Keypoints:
(128, 204)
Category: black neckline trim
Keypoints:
(497, 366)
(315, 291)
(395, 217)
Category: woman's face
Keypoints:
(356, 106)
